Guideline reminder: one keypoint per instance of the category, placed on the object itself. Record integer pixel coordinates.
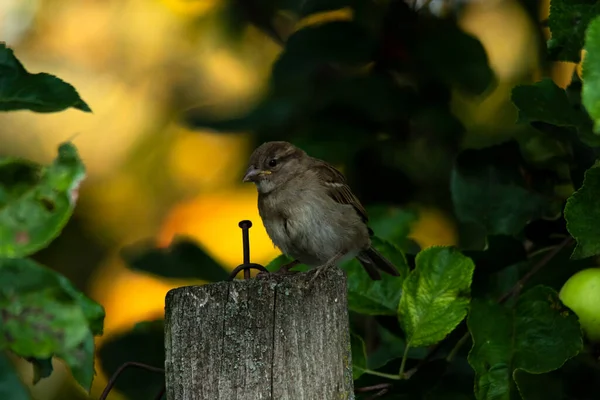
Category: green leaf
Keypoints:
(43, 315)
(435, 295)
(376, 96)
(544, 101)
(304, 8)
(280, 261)
(11, 387)
(568, 22)
(590, 92)
(455, 57)
(393, 224)
(44, 93)
(381, 297)
(359, 356)
(488, 188)
(338, 43)
(582, 214)
(143, 344)
(270, 113)
(183, 259)
(36, 202)
(536, 336)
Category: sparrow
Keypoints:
(310, 212)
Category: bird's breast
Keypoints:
(308, 227)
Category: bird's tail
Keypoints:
(372, 260)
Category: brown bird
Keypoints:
(309, 211)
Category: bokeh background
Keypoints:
(139, 64)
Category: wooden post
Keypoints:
(279, 338)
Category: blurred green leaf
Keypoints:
(381, 297)
(393, 224)
(455, 57)
(488, 188)
(304, 8)
(359, 356)
(590, 92)
(143, 344)
(280, 261)
(322, 132)
(376, 96)
(44, 315)
(568, 22)
(271, 112)
(44, 93)
(545, 150)
(322, 48)
(582, 214)
(435, 295)
(546, 102)
(36, 202)
(11, 387)
(537, 336)
(183, 259)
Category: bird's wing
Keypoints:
(339, 190)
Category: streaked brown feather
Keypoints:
(339, 190)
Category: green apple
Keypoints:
(581, 293)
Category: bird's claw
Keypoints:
(280, 272)
(320, 269)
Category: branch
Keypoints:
(516, 289)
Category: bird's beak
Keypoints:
(251, 174)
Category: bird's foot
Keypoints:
(320, 269)
(284, 270)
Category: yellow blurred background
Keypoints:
(139, 64)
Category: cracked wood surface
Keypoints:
(278, 338)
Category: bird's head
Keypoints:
(272, 164)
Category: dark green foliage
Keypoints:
(21, 90)
(183, 259)
(42, 315)
(143, 344)
(480, 320)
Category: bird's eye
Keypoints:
(272, 162)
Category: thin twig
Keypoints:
(457, 347)
(378, 394)
(115, 376)
(371, 388)
(516, 289)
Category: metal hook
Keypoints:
(246, 266)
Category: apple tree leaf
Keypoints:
(435, 295)
(43, 315)
(582, 215)
(536, 336)
(37, 201)
(43, 93)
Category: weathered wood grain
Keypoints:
(279, 338)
